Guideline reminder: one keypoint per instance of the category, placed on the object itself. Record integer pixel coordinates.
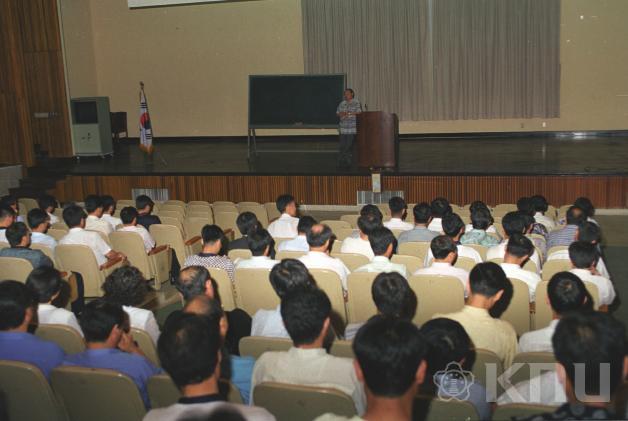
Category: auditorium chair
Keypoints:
(178, 214)
(27, 394)
(480, 249)
(4, 245)
(360, 306)
(226, 288)
(351, 219)
(206, 216)
(253, 290)
(154, 265)
(543, 311)
(279, 240)
(329, 282)
(384, 209)
(412, 263)
(414, 248)
(503, 208)
(162, 391)
(63, 335)
(397, 232)
(430, 408)
(271, 210)
(343, 233)
(227, 221)
(239, 254)
(48, 252)
(524, 372)
(257, 209)
(224, 208)
(255, 346)
(518, 311)
(104, 237)
(198, 203)
(172, 202)
(60, 226)
(342, 348)
(289, 254)
(123, 203)
(146, 344)
(27, 203)
(57, 234)
(193, 225)
(288, 402)
(223, 203)
(171, 235)
(436, 294)
(336, 245)
(352, 260)
(465, 263)
(172, 220)
(15, 268)
(486, 368)
(520, 410)
(336, 225)
(551, 212)
(552, 267)
(556, 249)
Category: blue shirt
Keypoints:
(138, 368)
(241, 373)
(28, 348)
(562, 237)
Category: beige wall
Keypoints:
(195, 61)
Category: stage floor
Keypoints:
(486, 155)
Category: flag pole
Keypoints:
(149, 150)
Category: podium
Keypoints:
(377, 139)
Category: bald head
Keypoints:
(195, 280)
(318, 237)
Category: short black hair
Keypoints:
(513, 223)
(397, 205)
(259, 241)
(73, 215)
(393, 296)
(128, 214)
(211, 234)
(566, 292)
(317, 237)
(46, 201)
(447, 342)
(593, 339)
(290, 274)
(351, 91)
(389, 352)
(191, 282)
(422, 213)
(540, 203)
(283, 201)
(15, 299)
(583, 255)
(16, 232)
(379, 239)
(575, 215)
(8, 200)
(487, 279)
(371, 210)
(36, 217)
(142, 201)
(589, 232)
(108, 202)
(305, 224)
(209, 307)
(477, 204)
(188, 348)
(519, 246)
(586, 205)
(44, 282)
(525, 206)
(452, 224)
(246, 222)
(528, 220)
(440, 207)
(441, 246)
(368, 223)
(93, 202)
(99, 317)
(303, 312)
(6, 212)
(481, 218)
(125, 286)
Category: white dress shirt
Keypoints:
(531, 279)
(141, 318)
(544, 389)
(464, 251)
(499, 251)
(383, 264)
(53, 218)
(149, 241)
(564, 255)
(546, 221)
(112, 220)
(44, 240)
(88, 238)
(446, 269)
(398, 224)
(490, 229)
(47, 314)
(320, 260)
(256, 262)
(539, 340)
(436, 225)
(604, 286)
(357, 246)
(3, 235)
(296, 244)
(284, 227)
(269, 323)
(93, 223)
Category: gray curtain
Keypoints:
(440, 59)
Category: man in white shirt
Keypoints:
(318, 238)
(398, 212)
(48, 204)
(512, 222)
(94, 209)
(7, 218)
(129, 216)
(518, 251)
(453, 227)
(260, 243)
(305, 313)
(445, 254)
(584, 257)
(382, 242)
(299, 243)
(361, 245)
(440, 208)
(286, 225)
(540, 207)
(39, 222)
(109, 208)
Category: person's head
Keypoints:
(38, 220)
(390, 355)
(447, 342)
(440, 207)
(129, 215)
(18, 306)
(575, 215)
(47, 203)
(371, 210)
(305, 224)
(368, 223)
(210, 308)
(189, 349)
(74, 216)
(597, 341)
(247, 222)
(287, 204)
(586, 205)
(513, 223)
(393, 296)
(525, 206)
(260, 242)
(566, 293)
(518, 249)
(488, 280)
(125, 286)
(528, 222)
(481, 219)
(7, 215)
(104, 322)
(94, 205)
(196, 280)
(583, 255)
(288, 275)
(348, 94)
(318, 237)
(453, 226)
(540, 203)
(422, 213)
(444, 249)
(305, 314)
(144, 204)
(212, 237)
(398, 207)
(45, 283)
(18, 235)
(10, 201)
(382, 241)
(477, 204)
(108, 204)
(590, 232)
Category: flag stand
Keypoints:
(146, 129)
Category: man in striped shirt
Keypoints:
(347, 112)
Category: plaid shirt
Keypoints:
(349, 125)
(211, 261)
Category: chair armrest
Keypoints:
(111, 263)
(532, 307)
(193, 240)
(230, 234)
(158, 249)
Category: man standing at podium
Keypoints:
(347, 112)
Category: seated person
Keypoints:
(512, 222)
(453, 227)
(246, 222)
(20, 240)
(518, 251)
(48, 204)
(475, 206)
(382, 243)
(289, 274)
(540, 207)
(7, 218)
(584, 257)
(144, 206)
(447, 343)
(127, 287)
(526, 207)
(129, 216)
(39, 222)
(286, 225)
(393, 298)
(422, 218)
(94, 221)
(318, 238)
(398, 212)
(440, 208)
(540, 244)
(445, 254)
(481, 220)
(567, 235)
(361, 245)
(365, 211)
(305, 313)
(587, 207)
(390, 363)
(189, 351)
(109, 208)
(210, 257)
(487, 283)
(11, 201)
(299, 243)
(18, 310)
(74, 217)
(260, 243)
(46, 283)
(110, 345)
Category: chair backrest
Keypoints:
(170, 207)
(146, 344)
(352, 260)
(351, 219)
(434, 409)
(465, 263)
(173, 202)
(336, 225)
(27, 393)
(47, 251)
(253, 290)
(29, 203)
(226, 289)
(170, 220)
(525, 372)
(412, 263)
(57, 234)
(289, 254)
(97, 394)
(239, 254)
(329, 282)
(132, 246)
(520, 410)
(271, 210)
(552, 267)
(227, 220)
(179, 215)
(4, 245)
(487, 367)
(292, 402)
(360, 306)
(342, 233)
(206, 215)
(162, 391)
(414, 248)
(198, 203)
(81, 259)
(556, 249)
(15, 268)
(518, 311)
(257, 209)
(61, 226)
(171, 235)
(63, 335)
(193, 225)
(436, 294)
(255, 346)
(342, 348)
(336, 246)
(480, 249)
